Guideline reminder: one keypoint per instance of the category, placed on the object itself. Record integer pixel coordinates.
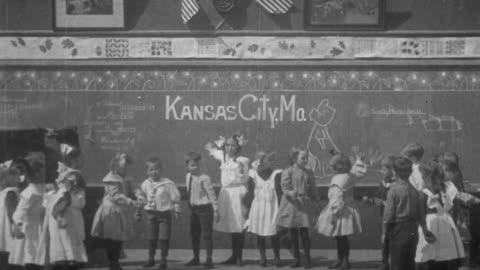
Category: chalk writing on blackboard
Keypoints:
(320, 143)
(430, 122)
(248, 108)
(113, 123)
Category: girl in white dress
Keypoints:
(28, 221)
(234, 177)
(263, 212)
(64, 237)
(9, 178)
(448, 249)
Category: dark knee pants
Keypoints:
(201, 221)
(159, 225)
(403, 244)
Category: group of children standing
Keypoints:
(42, 224)
(39, 227)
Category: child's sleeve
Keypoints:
(118, 197)
(24, 205)
(312, 192)
(60, 206)
(175, 197)
(214, 152)
(286, 182)
(389, 212)
(245, 170)
(278, 185)
(11, 202)
(335, 199)
(208, 186)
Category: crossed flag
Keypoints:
(190, 7)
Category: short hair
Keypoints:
(155, 161)
(340, 163)
(21, 165)
(262, 156)
(387, 162)
(293, 155)
(192, 157)
(402, 167)
(413, 150)
(450, 160)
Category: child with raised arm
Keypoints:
(162, 200)
(234, 177)
(204, 209)
(298, 210)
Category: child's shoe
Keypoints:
(345, 264)
(208, 264)
(193, 262)
(295, 263)
(230, 261)
(308, 262)
(162, 265)
(336, 264)
(149, 263)
(277, 262)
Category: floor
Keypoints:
(360, 259)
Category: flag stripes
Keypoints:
(275, 6)
(189, 9)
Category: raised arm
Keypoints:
(214, 151)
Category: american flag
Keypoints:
(275, 6)
(189, 9)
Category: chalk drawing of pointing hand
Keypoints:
(320, 144)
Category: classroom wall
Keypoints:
(163, 15)
(57, 94)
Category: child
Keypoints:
(63, 232)
(28, 220)
(203, 203)
(386, 168)
(234, 177)
(111, 222)
(261, 221)
(9, 178)
(339, 218)
(414, 152)
(447, 251)
(161, 197)
(404, 213)
(297, 210)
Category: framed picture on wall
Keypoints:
(89, 14)
(344, 14)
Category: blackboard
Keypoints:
(171, 123)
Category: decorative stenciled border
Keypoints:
(194, 79)
(244, 47)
